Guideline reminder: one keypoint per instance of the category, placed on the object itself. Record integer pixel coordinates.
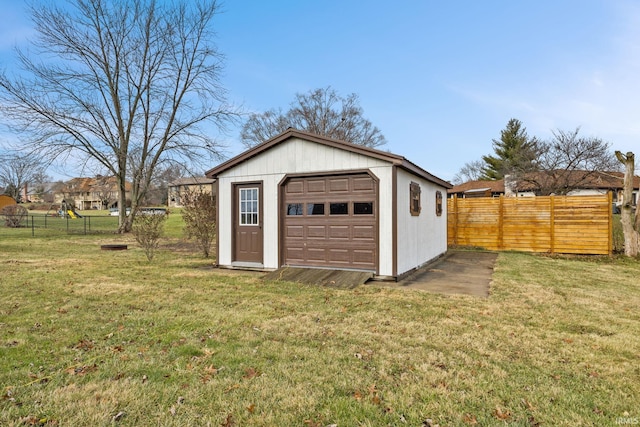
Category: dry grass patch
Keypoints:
(108, 339)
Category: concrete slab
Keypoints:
(458, 272)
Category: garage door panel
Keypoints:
(316, 186)
(339, 256)
(363, 257)
(295, 231)
(295, 254)
(313, 236)
(339, 185)
(364, 184)
(364, 232)
(317, 254)
(317, 231)
(295, 187)
(339, 232)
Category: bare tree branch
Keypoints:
(17, 170)
(321, 111)
(471, 171)
(569, 161)
(128, 84)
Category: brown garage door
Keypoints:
(330, 221)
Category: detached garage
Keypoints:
(304, 200)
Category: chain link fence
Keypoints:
(79, 225)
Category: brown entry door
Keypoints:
(248, 235)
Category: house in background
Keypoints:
(583, 184)
(40, 193)
(305, 200)
(477, 188)
(181, 186)
(99, 193)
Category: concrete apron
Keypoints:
(458, 272)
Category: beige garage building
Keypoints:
(300, 199)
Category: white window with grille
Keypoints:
(249, 209)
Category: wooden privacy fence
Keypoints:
(555, 224)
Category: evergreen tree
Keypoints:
(515, 153)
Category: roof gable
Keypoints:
(290, 133)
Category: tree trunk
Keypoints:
(128, 225)
(123, 224)
(630, 222)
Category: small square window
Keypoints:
(315, 208)
(294, 209)
(362, 208)
(338, 209)
(414, 198)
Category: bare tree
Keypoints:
(17, 170)
(261, 127)
(630, 221)
(162, 177)
(471, 171)
(568, 161)
(131, 83)
(321, 111)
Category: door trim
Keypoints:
(235, 218)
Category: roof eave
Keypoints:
(394, 159)
(417, 170)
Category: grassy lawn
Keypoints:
(91, 337)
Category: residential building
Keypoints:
(99, 193)
(182, 186)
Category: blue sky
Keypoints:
(439, 78)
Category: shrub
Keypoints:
(148, 230)
(14, 215)
(199, 215)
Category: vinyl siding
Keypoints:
(424, 237)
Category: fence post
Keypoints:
(455, 219)
(66, 215)
(610, 209)
(501, 223)
(552, 224)
(33, 230)
(85, 225)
